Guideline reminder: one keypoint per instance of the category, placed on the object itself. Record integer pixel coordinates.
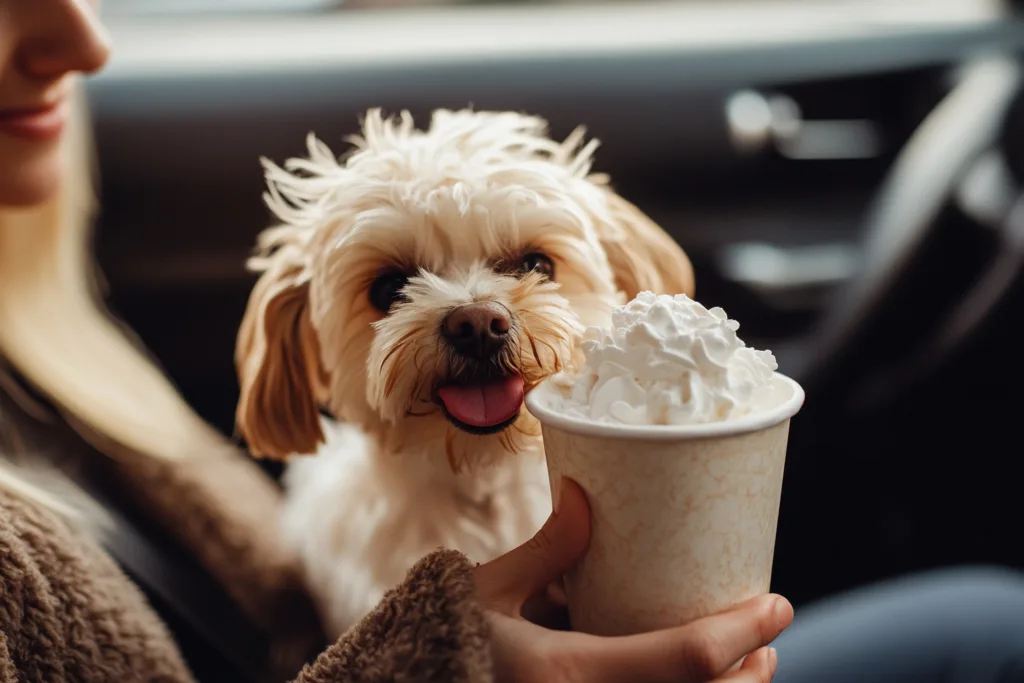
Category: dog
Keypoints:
(410, 294)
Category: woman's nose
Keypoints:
(68, 38)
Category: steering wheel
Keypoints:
(951, 190)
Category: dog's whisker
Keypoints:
(533, 345)
(519, 350)
(428, 413)
(396, 346)
(513, 444)
(554, 354)
(534, 429)
(506, 362)
(420, 389)
(416, 359)
(449, 449)
(395, 373)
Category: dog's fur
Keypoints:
(392, 478)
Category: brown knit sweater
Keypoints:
(67, 613)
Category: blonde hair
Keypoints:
(56, 334)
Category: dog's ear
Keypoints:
(278, 362)
(641, 254)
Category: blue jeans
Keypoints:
(948, 626)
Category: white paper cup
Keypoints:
(683, 517)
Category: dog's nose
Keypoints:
(477, 330)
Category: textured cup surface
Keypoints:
(683, 517)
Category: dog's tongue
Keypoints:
(484, 405)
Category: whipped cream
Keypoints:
(667, 360)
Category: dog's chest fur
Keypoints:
(360, 518)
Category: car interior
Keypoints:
(845, 176)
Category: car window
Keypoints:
(938, 8)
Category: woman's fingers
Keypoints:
(758, 667)
(508, 581)
(540, 611)
(556, 593)
(695, 653)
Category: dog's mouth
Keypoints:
(484, 406)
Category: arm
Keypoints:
(226, 511)
(453, 623)
(430, 628)
(218, 505)
(8, 674)
(66, 610)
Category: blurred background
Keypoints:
(844, 174)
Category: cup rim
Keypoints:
(753, 422)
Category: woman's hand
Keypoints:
(699, 652)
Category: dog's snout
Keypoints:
(477, 330)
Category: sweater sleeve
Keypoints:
(8, 674)
(67, 613)
(429, 628)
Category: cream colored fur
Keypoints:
(391, 479)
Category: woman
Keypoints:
(75, 390)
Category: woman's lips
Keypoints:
(35, 123)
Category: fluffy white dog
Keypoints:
(414, 291)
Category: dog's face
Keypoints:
(422, 286)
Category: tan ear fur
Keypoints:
(278, 362)
(642, 255)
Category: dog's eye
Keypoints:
(538, 263)
(387, 289)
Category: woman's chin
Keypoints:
(31, 176)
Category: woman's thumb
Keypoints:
(525, 571)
